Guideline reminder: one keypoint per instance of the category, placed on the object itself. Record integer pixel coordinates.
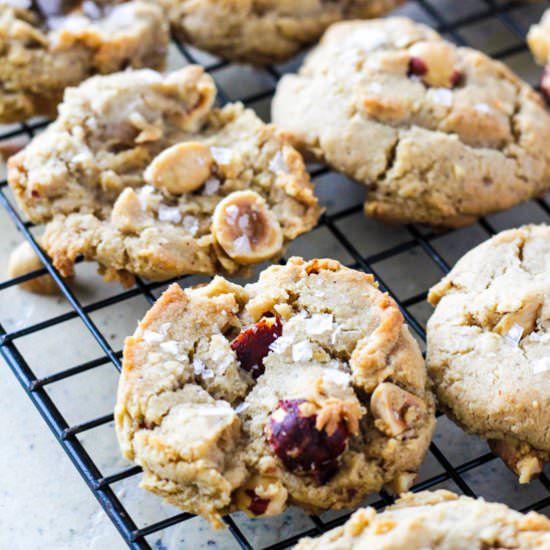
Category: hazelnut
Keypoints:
(246, 228)
(293, 436)
(23, 260)
(262, 496)
(128, 214)
(523, 460)
(395, 410)
(252, 344)
(435, 64)
(181, 168)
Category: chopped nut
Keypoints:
(303, 448)
(396, 410)
(245, 227)
(127, 213)
(402, 482)
(23, 260)
(262, 496)
(525, 317)
(435, 64)
(252, 344)
(181, 168)
(521, 458)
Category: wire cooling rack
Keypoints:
(406, 261)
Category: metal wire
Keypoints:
(35, 387)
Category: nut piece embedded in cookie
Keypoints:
(181, 168)
(435, 64)
(252, 344)
(262, 496)
(246, 228)
(395, 409)
(527, 463)
(303, 446)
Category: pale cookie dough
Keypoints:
(143, 175)
(48, 45)
(437, 520)
(538, 39)
(304, 388)
(489, 345)
(439, 134)
(262, 31)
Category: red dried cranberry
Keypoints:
(300, 446)
(417, 67)
(252, 344)
(258, 505)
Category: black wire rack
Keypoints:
(461, 23)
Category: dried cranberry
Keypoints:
(300, 446)
(417, 67)
(257, 505)
(252, 344)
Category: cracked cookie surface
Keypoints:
(303, 388)
(439, 134)
(488, 353)
(142, 174)
(262, 31)
(438, 520)
(47, 46)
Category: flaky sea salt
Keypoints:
(280, 345)
(211, 186)
(200, 369)
(543, 338)
(368, 41)
(337, 377)
(278, 164)
(514, 334)
(242, 244)
(541, 365)
(443, 96)
(191, 225)
(241, 407)
(143, 195)
(319, 323)
(170, 347)
(214, 410)
(302, 351)
(152, 337)
(169, 214)
(231, 213)
(222, 155)
(483, 108)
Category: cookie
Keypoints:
(262, 31)
(142, 174)
(438, 520)
(46, 46)
(488, 353)
(538, 40)
(303, 388)
(439, 134)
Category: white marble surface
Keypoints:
(44, 504)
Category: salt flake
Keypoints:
(541, 365)
(278, 164)
(191, 225)
(222, 155)
(169, 213)
(337, 377)
(241, 407)
(211, 186)
(443, 96)
(152, 337)
(280, 345)
(170, 347)
(319, 323)
(302, 351)
(514, 334)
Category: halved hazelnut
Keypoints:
(262, 496)
(23, 260)
(395, 410)
(435, 64)
(181, 168)
(293, 436)
(127, 213)
(246, 228)
(252, 344)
